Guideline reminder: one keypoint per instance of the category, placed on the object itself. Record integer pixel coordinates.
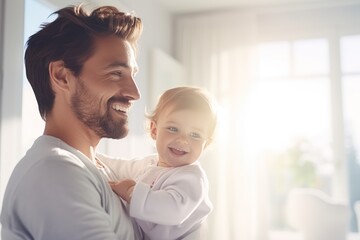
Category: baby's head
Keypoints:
(183, 124)
(188, 98)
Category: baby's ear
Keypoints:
(153, 129)
(208, 141)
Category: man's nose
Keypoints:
(132, 91)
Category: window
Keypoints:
(287, 98)
(350, 67)
(292, 93)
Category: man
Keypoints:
(81, 67)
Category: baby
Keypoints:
(167, 193)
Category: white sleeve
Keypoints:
(180, 195)
(125, 168)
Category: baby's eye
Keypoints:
(195, 135)
(172, 129)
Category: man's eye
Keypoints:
(116, 75)
(172, 129)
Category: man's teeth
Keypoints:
(119, 107)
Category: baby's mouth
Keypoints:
(178, 151)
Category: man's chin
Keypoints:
(114, 130)
(118, 133)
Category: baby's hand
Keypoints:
(123, 188)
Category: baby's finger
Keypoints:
(112, 183)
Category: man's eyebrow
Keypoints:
(118, 64)
(121, 64)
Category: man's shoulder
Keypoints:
(46, 149)
(43, 160)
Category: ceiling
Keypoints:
(188, 6)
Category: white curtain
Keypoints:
(218, 52)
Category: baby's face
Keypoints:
(181, 136)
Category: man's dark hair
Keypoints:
(70, 38)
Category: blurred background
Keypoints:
(286, 74)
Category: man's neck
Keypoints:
(78, 135)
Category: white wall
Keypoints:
(2, 11)
(11, 91)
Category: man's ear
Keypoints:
(59, 75)
(153, 129)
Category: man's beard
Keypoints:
(87, 109)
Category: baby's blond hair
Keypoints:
(191, 98)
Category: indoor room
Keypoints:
(283, 164)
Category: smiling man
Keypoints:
(81, 67)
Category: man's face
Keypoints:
(105, 88)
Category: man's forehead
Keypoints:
(114, 52)
(111, 42)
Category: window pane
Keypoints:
(311, 57)
(351, 96)
(351, 89)
(350, 54)
(289, 122)
(274, 59)
(284, 110)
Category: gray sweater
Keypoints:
(55, 192)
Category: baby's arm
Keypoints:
(126, 168)
(178, 197)
(123, 188)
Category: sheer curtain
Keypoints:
(218, 52)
